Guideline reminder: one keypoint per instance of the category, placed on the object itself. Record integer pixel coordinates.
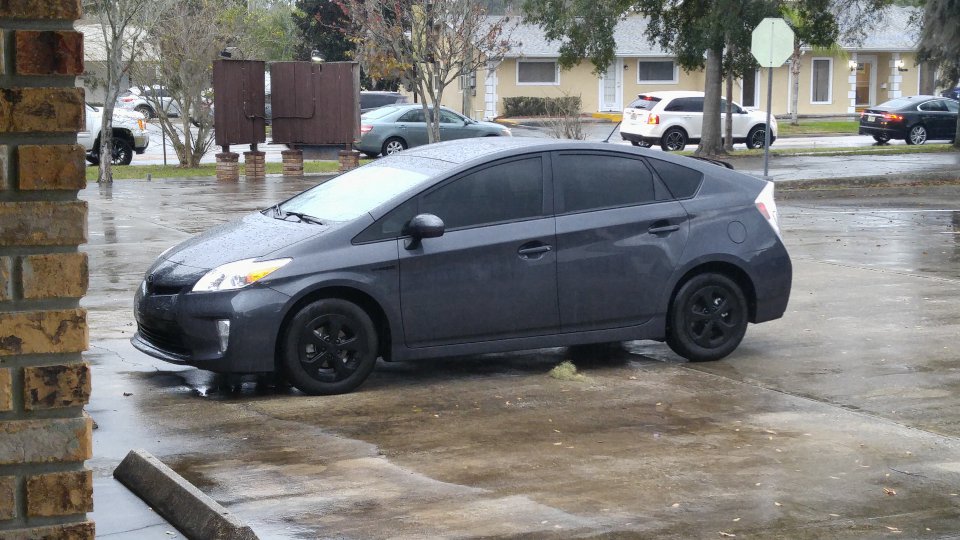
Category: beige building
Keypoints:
(880, 67)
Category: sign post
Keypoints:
(771, 45)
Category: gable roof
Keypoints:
(893, 31)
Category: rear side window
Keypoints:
(594, 181)
(937, 105)
(415, 115)
(644, 102)
(687, 104)
(682, 182)
(952, 106)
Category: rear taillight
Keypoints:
(892, 117)
(127, 99)
(366, 128)
(767, 207)
(653, 119)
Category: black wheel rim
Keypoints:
(758, 138)
(675, 140)
(331, 347)
(121, 155)
(713, 316)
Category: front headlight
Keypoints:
(505, 132)
(237, 275)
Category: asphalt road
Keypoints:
(841, 420)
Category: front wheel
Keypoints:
(707, 318)
(673, 140)
(393, 145)
(756, 138)
(330, 347)
(917, 135)
(122, 152)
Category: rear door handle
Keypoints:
(528, 250)
(663, 229)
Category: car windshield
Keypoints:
(354, 193)
(645, 102)
(379, 113)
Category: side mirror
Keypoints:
(422, 226)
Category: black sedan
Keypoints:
(469, 247)
(915, 119)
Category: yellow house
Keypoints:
(880, 67)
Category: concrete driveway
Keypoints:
(838, 421)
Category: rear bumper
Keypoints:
(883, 130)
(773, 289)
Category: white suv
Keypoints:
(675, 119)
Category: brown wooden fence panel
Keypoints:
(315, 104)
(239, 102)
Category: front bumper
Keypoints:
(181, 328)
(140, 142)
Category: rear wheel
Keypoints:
(371, 155)
(393, 145)
(917, 135)
(330, 347)
(673, 140)
(881, 138)
(757, 137)
(707, 318)
(145, 110)
(641, 144)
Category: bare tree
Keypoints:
(124, 24)
(182, 52)
(563, 117)
(427, 45)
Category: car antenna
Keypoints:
(611, 132)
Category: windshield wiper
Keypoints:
(306, 218)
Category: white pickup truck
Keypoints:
(129, 135)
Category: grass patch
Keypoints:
(135, 172)
(809, 127)
(842, 151)
(566, 371)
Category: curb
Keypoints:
(187, 508)
(889, 180)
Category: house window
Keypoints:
(537, 72)
(656, 71)
(748, 96)
(821, 80)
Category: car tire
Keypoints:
(673, 140)
(756, 137)
(392, 146)
(371, 155)
(881, 138)
(917, 135)
(329, 347)
(122, 152)
(145, 110)
(707, 318)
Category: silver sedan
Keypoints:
(392, 129)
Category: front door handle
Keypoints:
(663, 229)
(532, 250)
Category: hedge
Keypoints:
(538, 106)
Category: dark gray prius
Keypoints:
(470, 247)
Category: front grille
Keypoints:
(165, 336)
(166, 290)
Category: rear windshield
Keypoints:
(379, 113)
(898, 103)
(644, 102)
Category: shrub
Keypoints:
(538, 106)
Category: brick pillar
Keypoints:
(45, 437)
(228, 167)
(349, 159)
(254, 164)
(292, 163)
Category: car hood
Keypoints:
(125, 117)
(252, 236)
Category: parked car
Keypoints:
(370, 100)
(674, 119)
(952, 94)
(469, 247)
(915, 119)
(136, 99)
(129, 135)
(394, 128)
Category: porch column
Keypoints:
(895, 79)
(852, 86)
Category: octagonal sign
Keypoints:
(772, 42)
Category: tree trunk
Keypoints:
(795, 87)
(956, 137)
(711, 143)
(728, 127)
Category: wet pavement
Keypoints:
(839, 420)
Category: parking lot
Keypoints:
(840, 420)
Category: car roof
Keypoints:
(668, 94)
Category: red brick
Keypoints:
(75, 531)
(41, 110)
(46, 441)
(6, 278)
(8, 497)
(52, 167)
(54, 275)
(41, 332)
(46, 223)
(49, 52)
(6, 390)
